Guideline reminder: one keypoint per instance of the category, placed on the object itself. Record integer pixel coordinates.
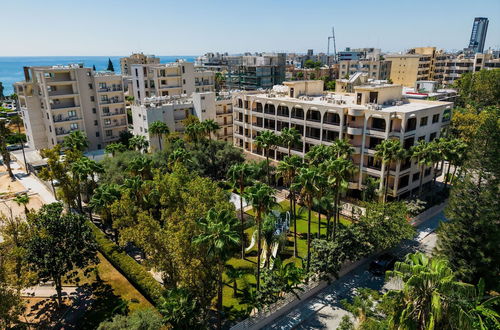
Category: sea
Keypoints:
(11, 68)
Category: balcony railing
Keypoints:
(115, 124)
(116, 113)
(61, 119)
(110, 89)
(64, 131)
(111, 101)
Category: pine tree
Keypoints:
(110, 66)
(93, 67)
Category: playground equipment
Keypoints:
(282, 228)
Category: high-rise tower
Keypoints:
(478, 34)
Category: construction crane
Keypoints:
(334, 47)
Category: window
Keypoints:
(92, 99)
(109, 132)
(96, 123)
(97, 134)
(90, 86)
(94, 110)
(416, 176)
(435, 118)
(183, 69)
(432, 136)
(421, 138)
(423, 121)
(137, 75)
(183, 81)
(73, 126)
(107, 121)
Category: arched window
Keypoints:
(314, 115)
(283, 111)
(331, 118)
(258, 107)
(240, 103)
(269, 109)
(297, 113)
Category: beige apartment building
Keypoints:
(172, 110)
(172, 79)
(375, 69)
(373, 113)
(137, 58)
(55, 100)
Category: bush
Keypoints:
(135, 273)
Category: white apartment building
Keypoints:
(171, 79)
(372, 113)
(137, 58)
(172, 110)
(55, 100)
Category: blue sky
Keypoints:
(112, 27)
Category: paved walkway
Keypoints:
(33, 184)
(48, 291)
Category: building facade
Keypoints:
(371, 114)
(56, 100)
(256, 71)
(371, 54)
(478, 34)
(174, 110)
(375, 69)
(138, 58)
(171, 79)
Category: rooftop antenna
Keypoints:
(334, 47)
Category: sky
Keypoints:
(163, 27)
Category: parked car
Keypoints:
(383, 263)
(14, 147)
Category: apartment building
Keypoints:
(373, 113)
(137, 58)
(55, 100)
(417, 64)
(450, 67)
(375, 69)
(355, 54)
(172, 110)
(256, 71)
(171, 79)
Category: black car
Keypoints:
(383, 263)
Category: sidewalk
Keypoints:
(47, 291)
(31, 183)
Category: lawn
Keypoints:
(234, 305)
(112, 293)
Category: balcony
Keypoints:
(355, 130)
(111, 101)
(116, 124)
(63, 106)
(169, 86)
(62, 131)
(115, 113)
(110, 89)
(61, 119)
(203, 83)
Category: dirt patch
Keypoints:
(43, 313)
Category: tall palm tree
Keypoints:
(4, 133)
(17, 120)
(194, 131)
(139, 143)
(159, 129)
(261, 197)
(178, 156)
(239, 175)
(305, 183)
(269, 235)
(321, 184)
(289, 137)
(318, 154)
(76, 141)
(113, 148)
(23, 199)
(338, 171)
(104, 196)
(387, 152)
(427, 284)
(210, 127)
(267, 140)
(234, 274)
(454, 151)
(140, 166)
(423, 154)
(342, 148)
(81, 172)
(287, 169)
(219, 236)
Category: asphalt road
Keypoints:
(324, 311)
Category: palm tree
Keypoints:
(159, 129)
(427, 285)
(113, 148)
(76, 141)
(289, 137)
(23, 199)
(178, 156)
(238, 175)
(266, 140)
(387, 151)
(338, 171)
(423, 154)
(4, 133)
(81, 172)
(342, 148)
(305, 183)
(318, 154)
(194, 131)
(139, 143)
(454, 151)
(17, 120)
(104, 196)
(210, 127)
(269, 235)
(261, 197)
(140, 166)
(219, 237)
(287, 169)
(321, 185)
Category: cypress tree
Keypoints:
(110, 66)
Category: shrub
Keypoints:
(135, 273)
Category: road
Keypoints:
(324, 311)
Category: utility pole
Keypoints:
(334, 48)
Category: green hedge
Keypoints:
(135, 273)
